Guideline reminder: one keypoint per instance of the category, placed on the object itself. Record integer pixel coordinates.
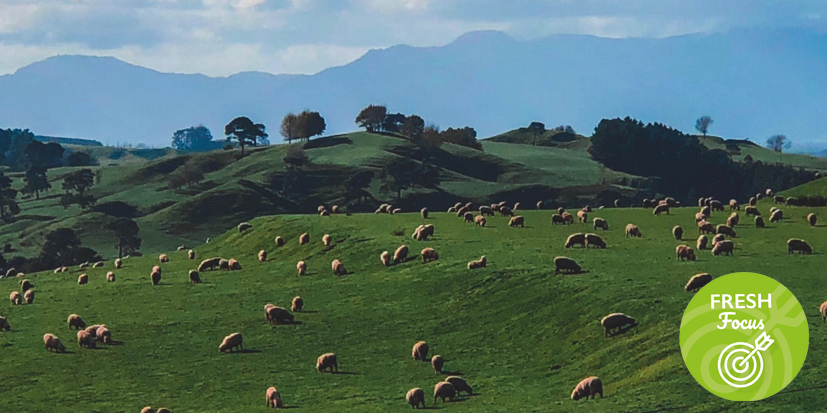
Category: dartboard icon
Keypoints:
(741, 364)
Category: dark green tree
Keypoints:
(80, 159)
(393, 122)
(405, 173)
(36, 181)
(8, 198)
(371, 117)
(42, 155)
(413, 127)
(62, 247)
(243, 130)
(77, 185)
(194, 139)
(703, 123)
(466, 136)
(536, 129)
(311, 124)
(356, 187)
(126, 232)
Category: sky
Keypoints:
(222, 37)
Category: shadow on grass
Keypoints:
(347, 373)
(451, 373)
(242, 351)
(116, 343)
(308, 312)
(622, 330)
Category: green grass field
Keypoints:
(522, 336)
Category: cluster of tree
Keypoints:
(76, 186)
(245, 132)
(185, 176)
(687, 169)
(405, 173)
(194, 139)
(302, 126)
(62, 247)
(375, 118)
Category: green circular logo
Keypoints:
(744, 336)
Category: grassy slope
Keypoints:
(760, 153)
(521, 335)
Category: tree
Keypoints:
(371, 117)
(311, 124)
(79, 159)
(126, 232)
(778, 143)
(356, 187)
(290, 127)
(186, 175)
(413, 127)
(702, 124)
(36, 181)
(536, 129)
(245, 132)
(62, 247)
(8, 198)
(294, 160)
(404, 173)
(42, 155)
(466, 136)
(193, 139)
(76, 185)
(393, 122)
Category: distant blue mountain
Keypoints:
(754, 83)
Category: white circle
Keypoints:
(756, 360)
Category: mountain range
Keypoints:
(754, 83)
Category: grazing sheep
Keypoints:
(244, 226)
(700, 217)
(424, 232)
(588, 387)
(262, 256)
(191, 254)
(104, 335)
(796, 244)
(517, 221)
(4, 324)
(338, 268)
(148, 409)
(759, 222)
(752, 210)
(155, 276)
(706, 211)
(210, 263)
(769, 192)
(648, 203)
(726, 230)
(304, 238)
(705, 228)
(386, 258)
(234, 264)
(297, 304)
(569, 218)
(156, 269)
(224, 264)
(415, 397)
(273, 398)
(792, 201)
(437, 362)
(702, 243)
(83, 279)
(582, 216)
(195, 277)
(51, 342)
(684, 252)
(85, 340)
(279, 241)
(444, 390)
(776, 216)
(821, 309)
(486, 210)
(29, 296)
(697, 282)
(617, 203)
(616, 321)
(812, 219)
(733, 205)
(752, 201)
(479, 221)
(93, 329)
(540, 204)
(716, 205)
(460, 384)
(82, 266)
(58, 270)
(633, 231)
(396, 211)
(450, 210)
(420, 351)
(566, 265)
(16, 298)
(595, 240)
(320, 208)
(428, 254)
(400, 254)
(677, 231)
(98, 264)
(301, 267)
(324, 213)
(733, 220)
(558, 219)
(505, 212)
(110, 276)
(778, 200)
(578, 238)
(424, 213)
(327, 361)
(233, 341)
(480, 263)
(516, 206)
(462, 211)
(276, 315)
(26, 285)
(118, 263)
(718, 238)
(661, 209)
(560, 210)
(468, 217)
(725, 247)
(163, 258)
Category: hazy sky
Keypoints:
(221, 37)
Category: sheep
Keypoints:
(320, 208)
(460, 384)
(301, 267)
(468, 217)
(540, 204)
(812, 219)
(415, 397)
(58, 270)
(588, 387)
(424, 232)
(716, 205)
(156, 269)
(83, 279)
(262, 256)
(98, 264)
(700, 217)
(385, 257)
(231, 342)
(86, 340)
(557, 219)
(578, 238)
(444, 390)
(297, 304)
(420, 351)
(648, 203)
(244, 226)
(103, 335)
(195, 277)
(516, 206)
(273, 398)
(725, 247)
(28, 296)
(327, 361)
(752, 210)
(155, 276)
(26, 285)
(702, 243)
(118, 263)
(796, 244)
(684, 252)
(480, 263)
(776, 216)
(16, 298)
(616, 321)
(275, 314)
(279, 241)
(697, 282)
(517, 221)
(450, 210)
(82, 266)
(4, 324)
(191, 254)
(617, 203)
(224, 264)
(148, 409)
(677, 232)
(792, 201)
(210, 263)
(51, 342)
(396, 211)
(163, 258)
(705, 228)
(437, 362)
(304, 238)
(569, 218)
(778, 200)
(324, 213)
(752, 201)
(733, 205)
(479, 221)
(821, 309)
(661, 209)
(486, 210)
(595, 240)
(759, 222)
(462, 211)
(334, 209)
(733, 220)
(560, 210)
(424, 213)
(234, 264)
(428, 254)
(506, 212)
(566, 265)
(338, 268)
(726, 230)
(633, 231)
(582, 216)
(769, 192)
(110, 277)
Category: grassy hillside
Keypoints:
(760, 153)
(519, 334)
(237, 189)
